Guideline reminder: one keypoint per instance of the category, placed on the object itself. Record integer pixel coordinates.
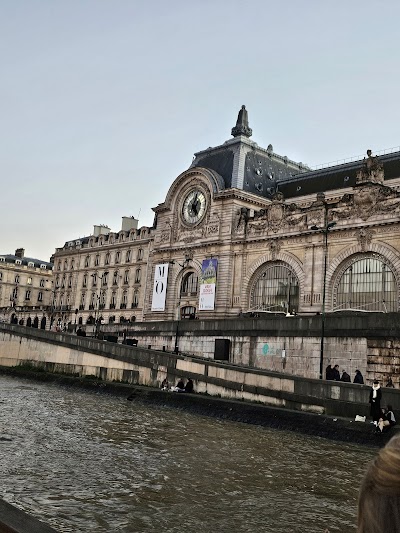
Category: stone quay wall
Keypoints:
(82, 356)
(369, 342)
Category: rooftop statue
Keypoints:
(242, 124)
(371, 170)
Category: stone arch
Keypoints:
(178, 276)
(214, 180)
(256, 266)
(339, 264)
(43, 323)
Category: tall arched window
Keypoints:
(367, 283)
(189, 284)
(275, 289)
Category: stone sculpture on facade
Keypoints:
(371, 170)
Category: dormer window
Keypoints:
(43, 266)
(18, 262)
(31, 264)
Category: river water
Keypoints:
(88, 462)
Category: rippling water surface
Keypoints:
(88, 462)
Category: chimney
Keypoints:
(129, 223)
(100, 230)
(20, 252)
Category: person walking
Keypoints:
(375, 397)
(358, 378)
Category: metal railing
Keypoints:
(354, 158)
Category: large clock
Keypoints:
(194, 206)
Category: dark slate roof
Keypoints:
(266, 171)
(10, 258)
(336, 177)
(221, 162)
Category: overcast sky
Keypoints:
(103, 103)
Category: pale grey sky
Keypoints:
(103, 103)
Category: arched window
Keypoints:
(87, 261)
(138, 275)
(188, 312)
(107, 260)
(97, 260)
(135, 301)
(275, 289)
(140, 254)
(366, 283)
(128, 256)
(189, 284)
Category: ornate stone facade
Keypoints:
(280, 233)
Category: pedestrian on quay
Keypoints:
(379, 496)
(390, 383)
(329, 372)
(336, 373)
(345, 377)
(358, 378)
(375, 397)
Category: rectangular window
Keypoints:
(27, 295)
(40, 297)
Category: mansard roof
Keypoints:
(335, 177)
(244, 165)
(37, 263)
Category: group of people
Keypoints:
(181, 386)
(332, 373)
(382, 417)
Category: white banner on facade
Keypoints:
(160, 287)
(208, 284)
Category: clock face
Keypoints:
(194, 206)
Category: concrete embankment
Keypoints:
(106, 361)
(13, 520)
(329, 427)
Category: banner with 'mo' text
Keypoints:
(208, 284)
(160, 287)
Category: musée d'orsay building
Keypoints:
(244, 230)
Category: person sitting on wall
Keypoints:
(336, 373)
(165, 384)
(358, 378)
(388, 419)
(329, 372)
(180, 386)
(189, 386)
(345, 377)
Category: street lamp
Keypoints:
(325, 230)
